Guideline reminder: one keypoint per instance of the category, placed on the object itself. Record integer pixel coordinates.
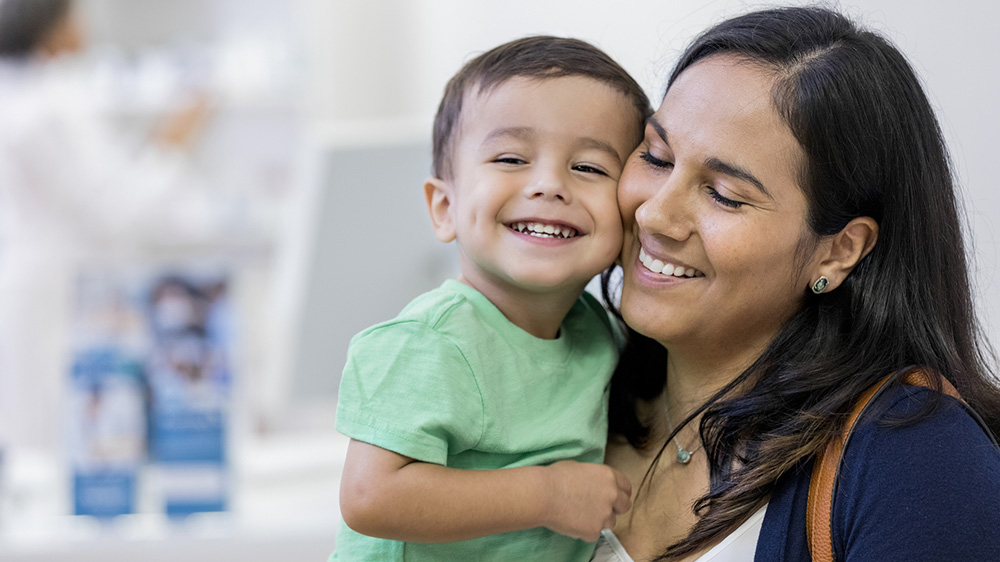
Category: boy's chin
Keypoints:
(546, 282)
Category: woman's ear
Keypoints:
(439, 198)
(845, 250)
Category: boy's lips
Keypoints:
(544, 228)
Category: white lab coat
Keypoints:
(71, 191)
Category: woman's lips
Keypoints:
(665, 267)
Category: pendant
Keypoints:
(683, 456)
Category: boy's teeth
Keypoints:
(544, 230)
(657, 266)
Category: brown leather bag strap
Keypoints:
(819, 510)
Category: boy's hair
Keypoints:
(538, 57)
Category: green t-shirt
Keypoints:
(451, 381)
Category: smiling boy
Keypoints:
(478, 416)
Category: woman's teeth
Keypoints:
(543, 230)
(657, 266)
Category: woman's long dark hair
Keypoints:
(872, 148)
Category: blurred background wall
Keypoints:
(313, 159)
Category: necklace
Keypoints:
(683, 455)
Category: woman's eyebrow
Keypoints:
(717, 165)
(657, 127)
(735, 171)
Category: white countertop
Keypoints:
(284, 507)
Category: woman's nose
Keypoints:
(549, 183)
(669, 209)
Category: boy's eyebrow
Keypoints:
(717, 165)
(521, 133)
(603, 146)
(527, 133)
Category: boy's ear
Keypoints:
(439, 193)
(846, 249)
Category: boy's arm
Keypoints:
(387, 495)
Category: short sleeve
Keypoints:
(927, 491)
(409, 389)
(608, 319)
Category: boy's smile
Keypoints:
(543, 230)
(532, 198)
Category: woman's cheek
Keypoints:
(628, 198)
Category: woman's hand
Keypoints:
(181, 128)
(585, 498)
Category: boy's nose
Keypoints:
(548, 185)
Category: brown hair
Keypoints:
(539, 57)
(25, 23)
(873, 148)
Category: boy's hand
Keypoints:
(584, 498)
(387, 495)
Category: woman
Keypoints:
(72, 191)
(796, 166)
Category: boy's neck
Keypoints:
(538, 313)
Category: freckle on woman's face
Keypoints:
(713, 216)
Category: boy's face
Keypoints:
(537, 155)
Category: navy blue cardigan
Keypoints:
(928, 491)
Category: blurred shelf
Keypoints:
(284, 507)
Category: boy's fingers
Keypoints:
(623, 483)
(622, 503)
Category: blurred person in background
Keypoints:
(73, 191)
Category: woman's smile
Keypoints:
(711, 203)
(668, 267)
(792, 248)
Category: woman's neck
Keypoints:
(692, 379)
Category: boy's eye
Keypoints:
(588, 169)
(655, 162)
(509, 160)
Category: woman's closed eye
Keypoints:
(656, 162)
(667, 165)
(724, 201)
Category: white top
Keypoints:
(72, 190)
(739, 546)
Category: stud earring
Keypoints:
(820, 285)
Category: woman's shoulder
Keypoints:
(922, 428)
(920, 469)
(921, 443)
(915, 484)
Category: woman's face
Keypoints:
(66, 37)
(714, 216)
